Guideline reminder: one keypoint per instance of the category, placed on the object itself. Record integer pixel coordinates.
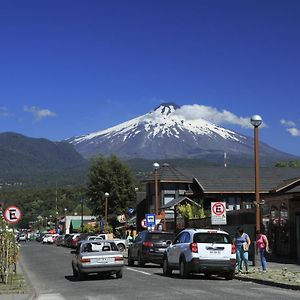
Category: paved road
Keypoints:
(49, 269)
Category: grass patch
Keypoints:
(16, 285)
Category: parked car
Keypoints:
(65, 239)
(149, 246)
(121, 243)
(74, 240)
(102, 257)
(59, 240)
(48, 238)
(207, 251)
(22, 237)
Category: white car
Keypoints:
(207, 251)
(95, 256)
(48, 238)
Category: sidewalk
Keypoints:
(284, 275)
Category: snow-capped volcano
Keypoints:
(164, 134)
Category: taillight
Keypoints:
(233, 249)
(148, 244)
(194, 247)
(85, 260)
(119, 258)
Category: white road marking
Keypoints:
(138, 271)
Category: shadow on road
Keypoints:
(194, 277)
(92, 277)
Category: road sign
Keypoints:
(12, 214)
(218, 213)
(150, 220)
(143, 223)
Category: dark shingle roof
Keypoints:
(167, 173)
(289, 185)
(234, 179)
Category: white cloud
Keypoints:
(4, 112)
(288, 123)
(211, 114)
(294, 131)
(38, 113)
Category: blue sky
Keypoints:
(73, 67)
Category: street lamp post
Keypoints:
(106, 195)
(81, 202)
(155, 167)
(256, 121)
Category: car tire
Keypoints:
(167, 271)
(183, 269)
(119, 274)
(141, 263)
(130, 260)
(229, 275)
(121, 247)
(207, 275)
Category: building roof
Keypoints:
(177, 201)
(167, 173)
(241, 180)
(290, 185)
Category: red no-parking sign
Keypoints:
(218, 213)
(12, 214)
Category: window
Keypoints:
(211, 238)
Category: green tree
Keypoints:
(110, 175)
(189, 211)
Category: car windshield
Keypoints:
(157, 237)
(99, 247)
(207, 237)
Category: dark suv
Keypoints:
(149, 246)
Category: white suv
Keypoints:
(207, 251)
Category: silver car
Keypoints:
(94, 256)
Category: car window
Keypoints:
(99, 247)
(185, 237)
(206, 237)
(178, 239)
(157, 237)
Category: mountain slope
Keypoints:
(24, 158)
(165, 134)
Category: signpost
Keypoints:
(150, 220)
(218, 213)
(12, 214)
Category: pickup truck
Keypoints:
(121, 244)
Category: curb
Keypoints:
(31, 290)
(270, 283)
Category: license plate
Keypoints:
(161, 249)
(215, 252)
(105, 260)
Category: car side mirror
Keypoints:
(169, 242)
(73, 252)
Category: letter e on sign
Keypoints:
(12, 214)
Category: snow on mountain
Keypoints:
(165, 133)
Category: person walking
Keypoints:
(242, 242)
(263, 248)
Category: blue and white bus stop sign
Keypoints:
(150, 220)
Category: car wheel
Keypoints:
(183, 269)
(229, 275)
(207, 275)
(119, 274)
(167, 271)
(121, 247)
(141, 263)
(130, 260)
